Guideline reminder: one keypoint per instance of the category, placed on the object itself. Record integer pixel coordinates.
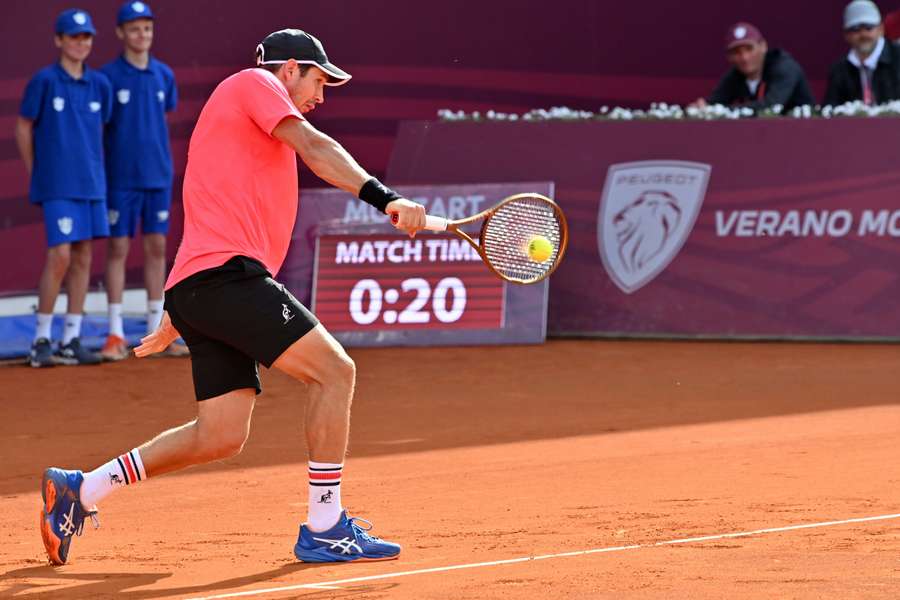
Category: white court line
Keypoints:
(509, 561)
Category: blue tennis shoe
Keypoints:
(62, 514)
(347, 541)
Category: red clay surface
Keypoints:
(490, 454)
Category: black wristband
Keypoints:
(377, 194)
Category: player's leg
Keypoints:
(218, 432)
(225, 381)
(329, 535)
(318, 360)
(121, 230)
(248, 310)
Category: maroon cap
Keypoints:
(740, 34)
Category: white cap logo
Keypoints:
(80, 18)
(138, 7)
(740, 32)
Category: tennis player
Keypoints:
(240, 203)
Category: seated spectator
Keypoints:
(759, 77)
(892, 26)
(871, 70)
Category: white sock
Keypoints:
(116, 327)
(324, 495)
(72, 329)
(154, 314)
(44, 322)
(119, 472)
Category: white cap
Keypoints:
(861, 12)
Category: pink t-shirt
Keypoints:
(240, 187)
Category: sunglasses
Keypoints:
(858, 28)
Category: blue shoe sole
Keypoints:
(321, 555)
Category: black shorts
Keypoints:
(232, 318)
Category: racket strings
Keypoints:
(510, 229)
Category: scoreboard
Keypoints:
(393, 282)
(372, 285)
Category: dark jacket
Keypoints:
(783, 82)
(844, 84)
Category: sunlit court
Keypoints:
(429, 301)
(567, 469)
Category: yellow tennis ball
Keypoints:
(539, 249)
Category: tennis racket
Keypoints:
(507, 231)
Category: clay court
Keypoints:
(574, 469)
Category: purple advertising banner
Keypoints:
(371, 285)
(470, 64)
(458, 62)
(759, 228)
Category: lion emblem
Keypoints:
(644, 226)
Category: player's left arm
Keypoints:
(160, 339)
(331, 162)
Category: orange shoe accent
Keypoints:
(114, 349)
(51, 543)
(50, 496)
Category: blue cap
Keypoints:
(134, 10)
(73, 22)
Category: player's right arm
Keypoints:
(331, 162)
(321, 153)
(25, 141)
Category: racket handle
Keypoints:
(431, 223)
(435, 223)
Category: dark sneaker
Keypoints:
(347, 541)
(74, 353)
(41, 354)
(62, 515)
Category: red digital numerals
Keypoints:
(389, 283)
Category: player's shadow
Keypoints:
(121, 585)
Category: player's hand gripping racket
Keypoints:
(523, 238)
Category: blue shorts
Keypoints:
(68, 221)
(150, 205)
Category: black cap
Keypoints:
(281, 46)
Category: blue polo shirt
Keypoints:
(68, 116)
(137, 137)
